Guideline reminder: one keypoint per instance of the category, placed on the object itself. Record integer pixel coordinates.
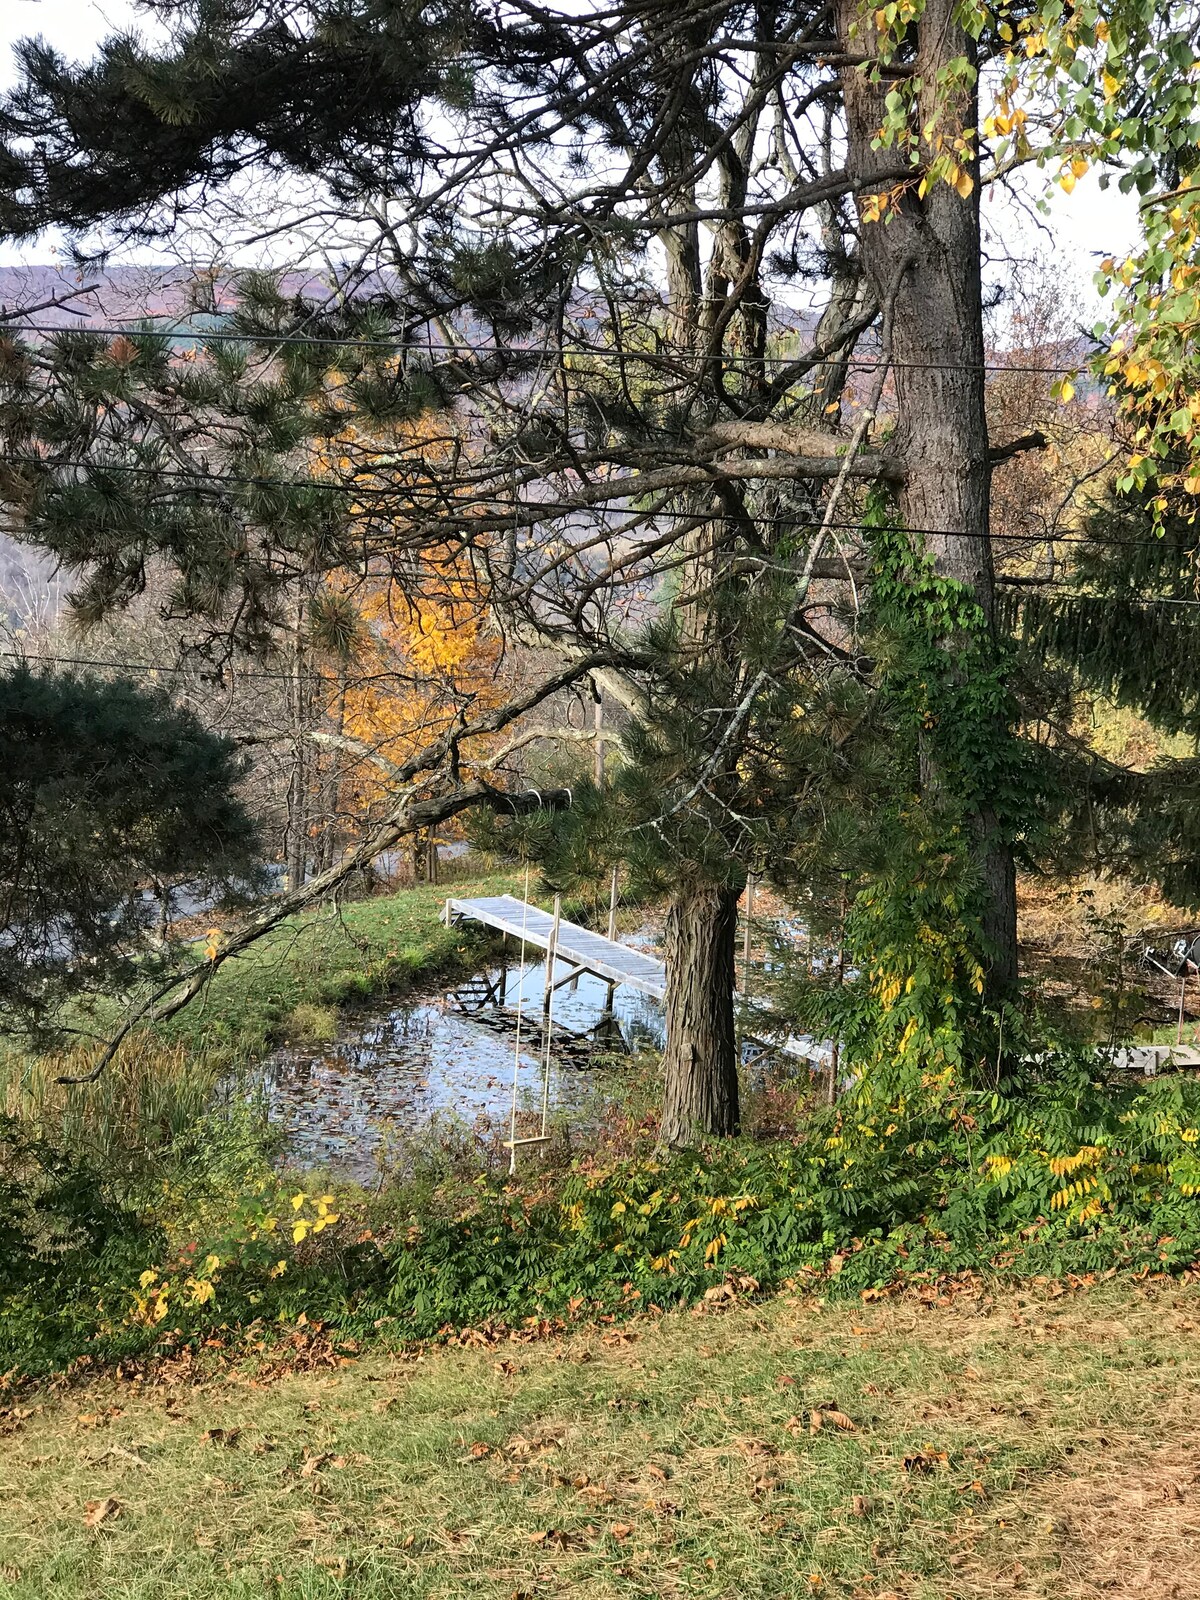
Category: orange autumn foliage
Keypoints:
(416, 654)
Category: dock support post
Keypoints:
(551, 951)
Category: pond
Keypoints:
(399, 1069)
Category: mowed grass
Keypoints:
(1020, 1445)
(325, 958)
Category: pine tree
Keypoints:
(106, 790)
(1123, 626)
(527, 164)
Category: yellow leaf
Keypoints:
(962, 182)
(1067, 181)
(1066, 392)
(300, 1231)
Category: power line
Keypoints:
(213, 484)
(288, 677)
(180, 667)
(410, 347)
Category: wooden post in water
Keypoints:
(610, 995)
(551, 950)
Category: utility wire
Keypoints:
(181, 667)
(223, 336)
(287, 677)
(213, 484)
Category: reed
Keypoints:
(151, 1093)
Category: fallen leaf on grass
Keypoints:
(97, 1419)
(820, 1415)
(317, 1461)
(559, 1538)
(860, 1505)
(227, 1438)
(621, 1530)
(925, 1460)
(122, 1454)
(521, 1449)
(757, 1447)
(98, 1511)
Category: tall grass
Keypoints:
(148, 1097)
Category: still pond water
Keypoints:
(400, 1070)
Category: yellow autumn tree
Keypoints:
(397, 658)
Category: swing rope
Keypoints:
(548, 1019)
(512, 1126)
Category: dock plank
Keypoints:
(583, 947)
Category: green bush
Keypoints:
(1071, 1176)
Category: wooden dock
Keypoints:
(1152, 1059)
(583, 950)
(580, 948)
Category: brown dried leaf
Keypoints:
(226, 1437)
(98, 1511)
(757, 1447)
(558, 1537)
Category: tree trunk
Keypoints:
(927, 256)
(700, 1081)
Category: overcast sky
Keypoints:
(1084, 227)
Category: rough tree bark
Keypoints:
(928, 254)
(700, 1080)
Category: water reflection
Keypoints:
(401, 1069)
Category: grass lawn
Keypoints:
(326, 957)
(1007, 1445)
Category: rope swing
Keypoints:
(512, 1124)
(547, 1023)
